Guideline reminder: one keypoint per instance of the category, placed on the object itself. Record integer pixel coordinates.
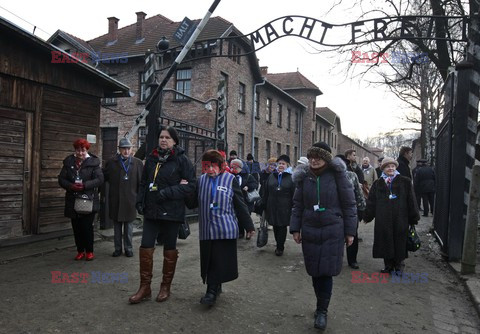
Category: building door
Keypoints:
(15, 171)
(109, 142)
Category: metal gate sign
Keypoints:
(184, 31)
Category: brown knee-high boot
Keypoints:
(169, 263)
(146, 266)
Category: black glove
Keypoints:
(139, 207)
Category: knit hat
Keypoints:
(233, 152)
(320, 150)
(303, 161)
(323, 145)
(236, 162)
(387, 161)
(285, 158)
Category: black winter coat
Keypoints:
(251, 183)
(354, 167)
(392, 217)
(278, 203)
(404, 168)
(168, 202)
(425, 180)
(92, 177)
(323, 233)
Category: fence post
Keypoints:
(469, 254)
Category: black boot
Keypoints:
(211, 294)
(321, 313)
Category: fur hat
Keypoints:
(387, 161)
(323, 145)
(285, 158)
(318, 152)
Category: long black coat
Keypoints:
(92, 177)
(425, 180)
(123, 193)
(323, 233)
(278, 202)
(404, 167)
(251, 183)
(392, 217)
(168, 203)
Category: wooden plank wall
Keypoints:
(65, 118)
(12, 158)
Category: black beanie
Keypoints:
(285, 158)
(323, 145)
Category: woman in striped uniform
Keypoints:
(221, 210)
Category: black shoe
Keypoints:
(117, 253)
(354, 265)
(320, 319)
(278, 252)
(386, 270)
(128, 253)
(210, 296)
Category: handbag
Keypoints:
(183, 231)
(413, 240)
(262, 236)
(83, 205)
(252, 196)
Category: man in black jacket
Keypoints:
(351, 155)
(425, 185)
(404, 158)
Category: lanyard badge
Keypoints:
(317, 207)
(213, 204)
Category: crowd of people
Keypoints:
(320, 201)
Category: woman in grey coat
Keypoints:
(324, 218)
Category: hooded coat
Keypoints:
(92, 177)
(323, 232)
(168, 202)
(392, 217)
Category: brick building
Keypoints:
(267, 114)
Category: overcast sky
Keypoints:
(364, 111)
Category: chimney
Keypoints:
(112, 29)
(140, 27)
(264, 70)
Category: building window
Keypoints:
(289, 119)
(268, 149)
(184, 82)
(142, 87)
(268, 115)
(233, 52)
(240, 145)
(288, 150)
(296, 121)
(279, 115)
(313, 137)
(241, 97)
(142, 135)
(314, 106)
(295, 153)
(257, 105)
(255, 148)
(279, 149)
(109, 101)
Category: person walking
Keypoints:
(323, 219)
(247, 183)
(369, 173)
(425, 185)
(81, 176)
(252, 167)
(392, 204)
(352, 250)
(378, 169)
(222, 210)
(278, 196)
(352, 166)
(404, 158)
(123, 173)
(161, 200)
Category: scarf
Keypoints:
(389, 179)
(163, 155)
(319, 171)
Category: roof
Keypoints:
(329, 116)
(292, 81)
(73, 40)
(284, 93)
(155, 28)
(112, 86)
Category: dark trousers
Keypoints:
(280, 233)
(323, 288)
(127, 235)
(393, 264)
(168, 230)
(83, 232)
(428, 198)
(352, 251)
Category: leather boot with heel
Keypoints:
(146, 265)
(169, 264)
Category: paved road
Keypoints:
(272, 295)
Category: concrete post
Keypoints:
(469, 254)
